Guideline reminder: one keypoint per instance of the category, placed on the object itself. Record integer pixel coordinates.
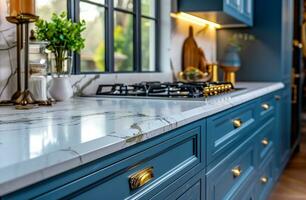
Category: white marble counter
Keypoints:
(41, 143)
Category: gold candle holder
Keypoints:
(230, 74)
(213, 71)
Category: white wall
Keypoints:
(173, 34)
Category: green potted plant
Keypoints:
(63, 36)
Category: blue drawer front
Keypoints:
(194, 189)
(265, 141)
(171, 156)
(222, 182)
(265, 179)
(167, 160)
(222, 135)
(266, 107)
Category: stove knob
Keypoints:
(206, 92)
(228, 87)
(222, 88)
(216, 90)
(211, 91)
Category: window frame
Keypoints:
(74, 14)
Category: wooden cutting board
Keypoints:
(193, 56)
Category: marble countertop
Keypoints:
(40, 143)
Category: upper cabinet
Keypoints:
(227, 13)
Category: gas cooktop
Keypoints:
(166, 90)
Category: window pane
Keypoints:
(123, 41)
(124, 4)
(148, 8)
(148, 45)
(93, 56)
(44, 9)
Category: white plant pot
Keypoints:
(60, 89)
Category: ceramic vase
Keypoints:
(231, 63)
(60, 89)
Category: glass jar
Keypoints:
(38, 69)
(61, 66)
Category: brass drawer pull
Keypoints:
(140, 178)
(265, 106)
(265, 142)
(264, 180)
(236, 172)
(237, 123)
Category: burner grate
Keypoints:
(158, 89)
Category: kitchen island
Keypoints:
(66, 150)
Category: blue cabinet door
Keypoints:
(285, 126)
(234, 4)
(229, 13)
(282, 135)
(240, 9)
(247, 11)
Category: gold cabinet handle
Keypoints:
(237, 123)
(264, 180)
(265, 142)
(265, 106)
(236, 171)
(140, 178)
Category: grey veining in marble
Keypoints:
(40, 143)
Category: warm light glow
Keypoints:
(194, 19)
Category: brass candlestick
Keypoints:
(213, 71)
(230, 74)
(23, 99)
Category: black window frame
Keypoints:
(74, 14)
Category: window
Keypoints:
(92, 58)
(121, 35)
(45, 8)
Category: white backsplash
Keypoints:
(172, 42)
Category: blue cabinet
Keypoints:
(228, 13)
(240, 9)
(230, 155)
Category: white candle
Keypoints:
(38, 87)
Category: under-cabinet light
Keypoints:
(194, 19)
